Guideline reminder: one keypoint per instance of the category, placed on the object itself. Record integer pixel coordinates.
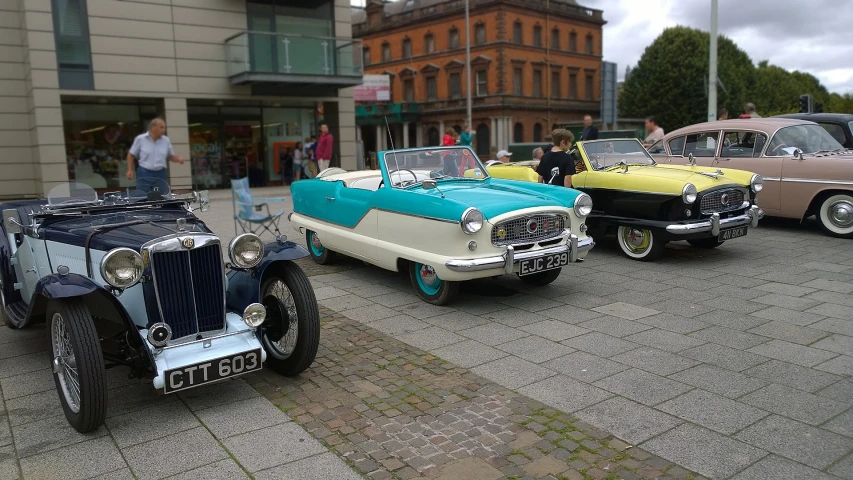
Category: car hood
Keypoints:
(495, 197)
(683, 174)
(113, 230)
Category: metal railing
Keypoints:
(264, 52)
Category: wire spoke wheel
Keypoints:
(64, 362)
(283, 347)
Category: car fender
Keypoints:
(244, 285)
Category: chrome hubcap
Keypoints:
(64, 363)
(315, 240)
(635, 238)
(284, 347)
(428, 275)
(841, 214)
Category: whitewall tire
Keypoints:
(835, 215)
(639, 243)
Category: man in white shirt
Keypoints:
(151, 150)
(653, 132)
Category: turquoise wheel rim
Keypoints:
(428, 281)
(314, 244)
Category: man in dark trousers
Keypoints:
(557, 166)
(589, 130)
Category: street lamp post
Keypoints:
(468, 63)
(712, 66)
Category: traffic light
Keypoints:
(805, 103)
(818, 108)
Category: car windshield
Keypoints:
(76, 194)
(604, 154)
(807, 138)
(410, 167)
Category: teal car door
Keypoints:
(353, 213)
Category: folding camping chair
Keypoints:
(249, 212)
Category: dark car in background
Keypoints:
(839, 125)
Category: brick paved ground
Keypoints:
(394, 411)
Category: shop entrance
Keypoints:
(225, 149)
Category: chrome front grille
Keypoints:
(528, 229)
(189, 284)
(722, 201)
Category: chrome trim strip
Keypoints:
(378, 210)
(575, 248)
(645, 192)
(809, 180)
(714, 224)
(207, 339)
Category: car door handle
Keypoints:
(331, 199)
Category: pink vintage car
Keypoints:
(806, 171)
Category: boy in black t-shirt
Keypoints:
(557, 166)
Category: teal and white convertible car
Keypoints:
(420, 214)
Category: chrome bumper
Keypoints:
(714, 224)
(509, 259)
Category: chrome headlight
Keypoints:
(472, 221)
(246, 250)
(121, 267)
(756, 183)
(688, 193)
(254, 315)
(583, 205)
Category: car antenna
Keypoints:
(394, 151)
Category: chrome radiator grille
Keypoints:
(722, 201)
(528, 229)
(190, 286)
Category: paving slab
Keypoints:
(790, 333)
(399, 324)
(320, 467)
(493, 334)
(655, 361)
(513, 317)
(221, 470)
(554, 330)
(456, 321)
(432, 338)
(729, 337)
(174, 454)
(778, 468)
(564, 393)
(243, 416)
(841, 391)
(512, 372)
(626, 311)
(794, 317)
(146, 424)
(49, 434)
(64, 463)
(792, 352)
(674, 323)
(840, 365)
(282, 444)
(792, 375)
(217, 394)
(713, 411)
(628, 420)
(724, 357)
(835, 325)
(643, 387)
(699, 449)
(843, 468)
(600, 344)
(797, 441)
(535, 349)
(585, 367)
(469, 353)
(614, 326)
(733, 320)
(836, 343)
(842, 424)
(841, 312)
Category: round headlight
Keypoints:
(246, 250)
(121, 267)
(583, 205)
(756, 183)
(254, 315)
(472, 221)
(688, 194)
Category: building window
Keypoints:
(588, 48)
(366, 56)
(409, 90)
(453, 38)
(573, 85)
(433, 137)
(429, 44)
(537, 132)
(483, 140)
(432, 88)
(555, 38)
(555, 84)
(518, 133)
(455, 85)
(386, 52)
(588, 87)
(517, 36)
(407, 48)
(537, 83)
(73, 55)
(482, 84)
(537, 36)
(517, 78)
(573, 42)
(480, 34)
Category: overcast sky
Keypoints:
(814, 36)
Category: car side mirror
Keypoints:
(797, 155)
(10, 221)
(203, 199)
(691, 161)
(429, 184)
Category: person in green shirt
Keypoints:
(467, 136)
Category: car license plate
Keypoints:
(731, 233)
(213, 370)
(540, 264)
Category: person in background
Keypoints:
(151, 150)
(537, 153)
(557, 166)
(503, 156)
(749, 111)
(589, 130)
(285, 161)
(323, 150)
(653, 132)
(449, 138)
(722, 114)
(297, 161)
(466, 138)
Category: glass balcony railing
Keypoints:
(287, 54)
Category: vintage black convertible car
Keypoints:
(135, 279)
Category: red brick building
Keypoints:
(534, 63)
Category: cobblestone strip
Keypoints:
(393, 411)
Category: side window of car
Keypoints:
(760, 140)
(657, 148)
(701, 144)
(676, 146)
(836, 131)
(742, 144)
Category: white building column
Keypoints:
(405, 134)
(419, 135)
(379, 138)
(493, 134)
(509, 129)
(440, 131)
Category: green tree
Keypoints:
(669, 80)
(839, 103)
